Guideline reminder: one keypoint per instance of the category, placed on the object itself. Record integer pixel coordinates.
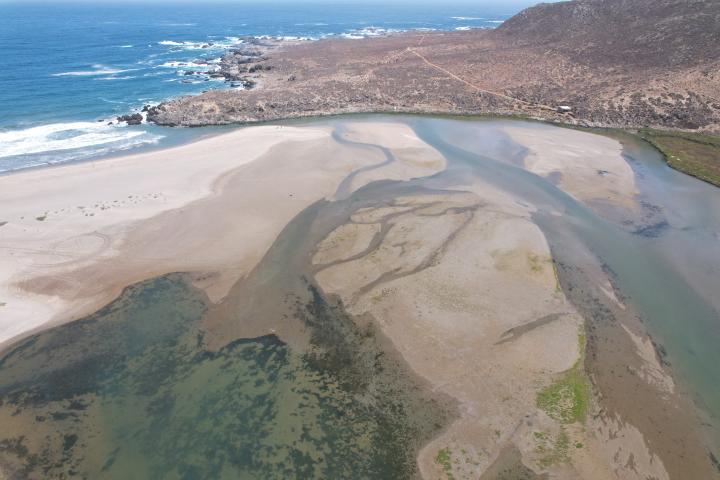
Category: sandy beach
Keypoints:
(68, 227)
(461, 280)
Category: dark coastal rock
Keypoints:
(252, 40)
(259, 68)
(246, 53)
(134, 119)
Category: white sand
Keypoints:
(69, 216)
(77, 234)
(589, 167)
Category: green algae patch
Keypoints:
(132, 392)
(558, 287)
(537, 262)
(566, 400)
(444, 459)
(552, 450)
(692, 153)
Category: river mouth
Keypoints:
(279, 380)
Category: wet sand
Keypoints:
(452, 270)
(68, 251)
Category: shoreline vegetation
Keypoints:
(692, 153)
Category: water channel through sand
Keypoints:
(164, 383)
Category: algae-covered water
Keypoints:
(131, 392)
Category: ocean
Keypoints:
(69, 69)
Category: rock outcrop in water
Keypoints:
(132, 119)
(623, 63)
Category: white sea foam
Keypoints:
(126, 77)
(126, 46)
(496, 21)
(157, 74)
(291, 38)
(184, 65)
(187, 45)
(370, 32)
(227, 42)
(55, 158)
(467, 18)
(112, 101)
(68, 136)
(98, 71)
(462, 29)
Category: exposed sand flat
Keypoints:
(462, 282)
(411, 156)
(75, 234)
(464, 287)
(440, 285)
(346, 241)
(589, 167)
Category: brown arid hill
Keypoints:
(616, 63)
(616, 33)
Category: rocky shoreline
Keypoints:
(240, 68)
(515, 70)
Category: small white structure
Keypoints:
(564, 109)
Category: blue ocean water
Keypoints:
(67, 69)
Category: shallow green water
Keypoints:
(131, 392)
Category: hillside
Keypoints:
(648, 33)
(618, 63)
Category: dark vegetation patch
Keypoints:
(138, 375)
(692, 153)
(714, 461)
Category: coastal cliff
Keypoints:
(617, 63)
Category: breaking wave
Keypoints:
(98, 70)
(70, 136)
